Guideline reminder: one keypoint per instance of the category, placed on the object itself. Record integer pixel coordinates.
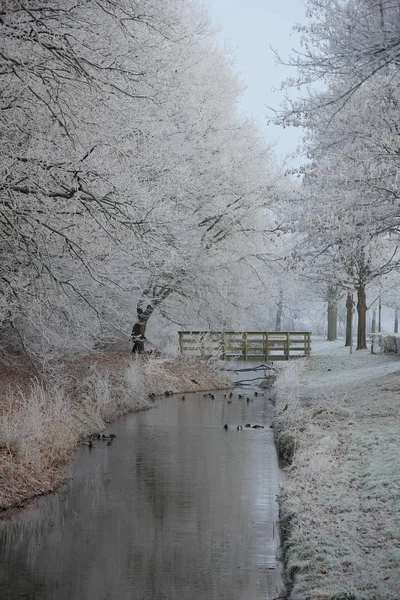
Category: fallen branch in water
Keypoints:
(248, 381)
(263, 367)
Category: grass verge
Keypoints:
(340, 505)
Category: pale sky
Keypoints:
(251, 27)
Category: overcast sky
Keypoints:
(252, 27)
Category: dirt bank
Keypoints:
(41, 422)
(337, 423)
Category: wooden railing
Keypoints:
(249, 345)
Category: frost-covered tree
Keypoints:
(351, 42)
(331, 249)
(68, 71)
(127, 173)
(351, 209)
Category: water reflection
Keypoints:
(175, 508)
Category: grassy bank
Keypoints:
(41, 424)
(337, 425)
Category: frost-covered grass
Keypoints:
(340, 504)
(41, 425)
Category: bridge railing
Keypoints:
(249, 345)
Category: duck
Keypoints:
(256, 394)
(239, 428)
(226, 426)
(212, 396)
(258, 427)
(88, 443)
(183, 397)
(240, 396)
(248, 425)
(247, 399)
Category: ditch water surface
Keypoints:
(176, 508)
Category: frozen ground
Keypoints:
(333, 367)
(341, 501)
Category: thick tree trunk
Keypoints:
(278, 325)
(396, 320)
(140, 326)
(144, 314)
(138, 337)
(362, 317)
(349, 319)
(332, 321)
(142, 320)
(152, 297)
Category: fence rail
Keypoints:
(249, 345)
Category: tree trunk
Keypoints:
(373, 322)
(362, 317)
(152, 296)
(278, 325)
(380, 315)
(396, 320)
(141, 324)
(349, 319)
(332, 321)
(138, 337)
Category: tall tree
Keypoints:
(127, 171)
(351, 138)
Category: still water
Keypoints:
(176, 508)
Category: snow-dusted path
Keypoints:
(334, 370)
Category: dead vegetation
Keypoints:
(42, 421)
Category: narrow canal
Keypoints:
(176, 508)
